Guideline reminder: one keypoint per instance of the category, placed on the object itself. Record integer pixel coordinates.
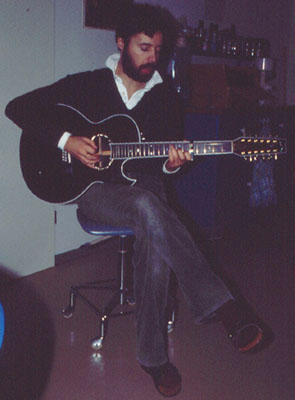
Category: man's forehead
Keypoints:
(142, 37)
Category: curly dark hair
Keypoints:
(149, 19)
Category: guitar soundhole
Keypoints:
(104, 150)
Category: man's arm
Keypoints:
(176, 159)
(84, 149)
(35, 111)
(174, 125)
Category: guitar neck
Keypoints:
(121, 151)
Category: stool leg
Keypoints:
(68, 311)
(97, 342)
(122, 252)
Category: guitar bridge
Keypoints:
(66, 157)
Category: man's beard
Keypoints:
(136, 73)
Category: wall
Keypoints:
(76, 49)
(193, 10)
(27, 61)
(290, 92)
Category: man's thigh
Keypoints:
(115, 204)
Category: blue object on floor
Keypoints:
(2, 325)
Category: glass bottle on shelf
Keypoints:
(205, 47)
(199, 37)
(234, 42)
(231, 41)
(247, 48)
(213, 36)
(179, 67)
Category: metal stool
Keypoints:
(120, 296)
(117, 285)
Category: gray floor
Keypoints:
(53, 359)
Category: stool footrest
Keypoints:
(118, 299)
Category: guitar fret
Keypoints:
(141, 150)
(161, 149)
(151, 150)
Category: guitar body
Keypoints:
(52, 177)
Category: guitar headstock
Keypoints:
(252, 148)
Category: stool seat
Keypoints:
(95, 228)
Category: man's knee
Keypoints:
(148, 207)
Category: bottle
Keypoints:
(258, 48)
(205, 47)
(247, 47)
(180, 65)
(200, 33)
(213, 36)
(232, 43)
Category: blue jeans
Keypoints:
(162, 244)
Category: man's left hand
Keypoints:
(177, 158)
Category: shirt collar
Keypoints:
(112, 63)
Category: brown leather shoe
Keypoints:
(242, 326)
(166, 378)
(245, 336)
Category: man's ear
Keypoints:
(120, 43)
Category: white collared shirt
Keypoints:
(112, 63)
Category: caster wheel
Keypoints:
(96, 343)
(67, 312)
(170, 326)
(130, 300)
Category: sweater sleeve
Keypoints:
(34, 112)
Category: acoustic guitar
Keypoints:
(56, 177)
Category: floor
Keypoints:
(48, 357)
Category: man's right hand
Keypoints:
(83, 149)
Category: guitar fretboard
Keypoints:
(161, 149)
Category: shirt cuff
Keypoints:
(62, 141)
(165, 170)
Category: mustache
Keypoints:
(152, 66)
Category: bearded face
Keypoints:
(140, 56)
(141, 73)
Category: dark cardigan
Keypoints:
(158, 114)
